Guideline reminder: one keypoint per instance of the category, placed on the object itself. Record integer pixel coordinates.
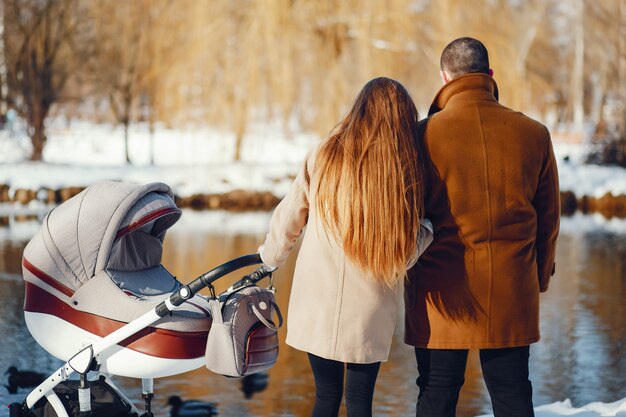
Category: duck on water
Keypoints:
(22, 379)
(191, 408)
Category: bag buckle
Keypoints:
(212, 290)
(271, 287)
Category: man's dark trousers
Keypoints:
(442, 373)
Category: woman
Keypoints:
(361, 196)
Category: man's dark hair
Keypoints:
(464, 55)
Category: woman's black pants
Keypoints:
(329, 376)
(442, 373)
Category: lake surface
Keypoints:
(582, 355)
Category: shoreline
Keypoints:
(238, 200)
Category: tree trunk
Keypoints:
(151, 147)
(238, 143)
(151, 122)
(126, 120)
(126, 153)
(38, 140)
(621, 54)
(240, 127)
(578, 70)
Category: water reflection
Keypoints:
(581, 356)
(584, 322)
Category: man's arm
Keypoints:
(547, 203)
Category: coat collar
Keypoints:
(479, 83)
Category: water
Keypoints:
(582, 355)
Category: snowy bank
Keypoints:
(565, 408)
(586, 180)
(581, 224)
(200, 160)
(190, 161)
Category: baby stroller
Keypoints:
(98, 298)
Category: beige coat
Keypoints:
(493, 197)
(334, 311)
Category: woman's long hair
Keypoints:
(370, 190)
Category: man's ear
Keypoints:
(490, 72)
(444, 77)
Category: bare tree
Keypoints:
(140, 47)
(120, 65)
(229, 63)
(38, 38)
(606, 84)
(3, 69)
(578, 66)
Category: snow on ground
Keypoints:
(590, 180)
(19, 231)
(565, 408)
(223, 222)
(581, 224)
(200, 160)
(196, 160)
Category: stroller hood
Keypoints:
(109, 225)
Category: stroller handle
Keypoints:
(185, 292)
(252, 278)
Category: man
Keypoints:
(492, 195)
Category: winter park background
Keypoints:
(223, 99)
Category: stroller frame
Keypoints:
(88, 355)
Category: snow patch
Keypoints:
(190, 161)
(222, 222)
(565, 408)
(200, 160)
(580, 224)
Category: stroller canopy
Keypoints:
(109, 226)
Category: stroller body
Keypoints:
(95, 265)
(95, 291)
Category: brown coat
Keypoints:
(493, 197)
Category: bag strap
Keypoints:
(263, 320)
(216, 310)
